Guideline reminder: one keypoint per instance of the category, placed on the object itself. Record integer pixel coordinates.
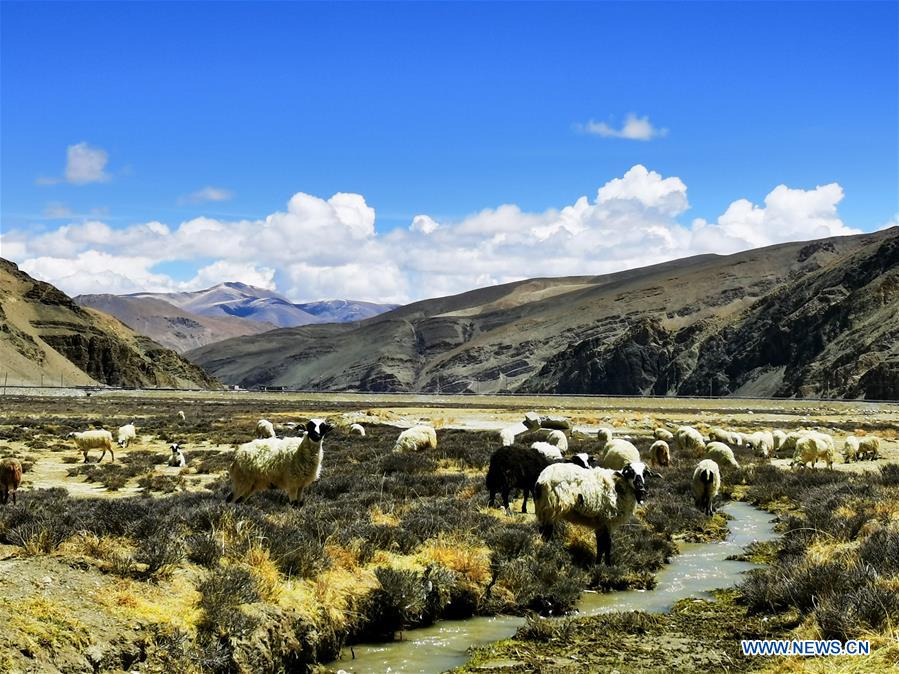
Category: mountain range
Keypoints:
(188, 320)
(45, 337)
(818, 318)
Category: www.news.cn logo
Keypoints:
(808, 647)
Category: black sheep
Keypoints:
(514, 467)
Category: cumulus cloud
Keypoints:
(329, 248)
(205, 195)
(84, 164)
(634, 128)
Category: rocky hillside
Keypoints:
(46, 337)
(798, 319)
(169, 325)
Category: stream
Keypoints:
(698, 569)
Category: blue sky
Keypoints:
(436, 109)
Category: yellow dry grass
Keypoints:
(470, 560)
(173, 602)
(44, 624)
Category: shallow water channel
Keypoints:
(697, 570)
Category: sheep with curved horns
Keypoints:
(357, 429)
(706, 483)
(87, 440)
(721, 454)
(598, 498)
(659, 454)
(291, 464)
(688, 439)
(416, 438)
(126, 434)
(10, 479)
(618, 454)
(264, 429)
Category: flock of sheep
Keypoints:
(597, 492)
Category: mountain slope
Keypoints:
(46, 337)
(650, 330)
(266, 306)
(169, 325)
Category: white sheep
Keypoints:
(689, 439)
(721, 454)
(126, 434)
(779, 437)
(181, 416)
(762, 443)
(264, 429)
(663, 434)
(850, 448)
(415, 438)
(706, 483)
(618, 454)
(176, 458)
(357, 429)
(551, 452)
(507, 436)
(659, 454)
(86, 440)
(558, 438)
(868, 447)
(605, 435)
(810, 448)
(290, 464)
(720, 435)
(598, 498)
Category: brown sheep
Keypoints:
(10, 479)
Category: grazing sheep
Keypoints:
(86, 440)
(290, 464)
(706, 483)
(810, 448)
(778, 436)
(176, 458)
(598, 498)
(264, 429)
(181, 416)
(868, 448)
(551, 452)
(357, 429)
(557, 438)
(689, 439)
(721, 454)
(850, 448)
(514, 467)
(791, 440)
(126, 434)
(762, 443)
(415, 438)
(619, 453)
(659, 454)
(605, 435)
(720, 435)
(10, 479)
(507, 436)
(663, 434)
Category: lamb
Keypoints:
(514, 467)
(551, 452)
(706, 483)
(176, 458)
(598, 498)
(264, 429)
(663, 434)
(86, 440)
(689, 439)
(415, 438)
(618, 454)
(291, 464)
(868, 447)
(721, 454)
(810, 448)
(126, 434)
(659, 454)
(357, 429)
(10, 479)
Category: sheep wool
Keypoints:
(605, 435)
(868, 447)
(663, 434)
(721, 454)
(619, 453)
(850, 448)
(357, 429)
(10, 479)
(99, 439)
(557, 438)
(659, 453)
(264, 429)
(810, 448)
(290, 464)
(551, 452)
(688, 439)
(705, 485)
(416, 438)
(126, 434)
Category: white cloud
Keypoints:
(205, 195)
(329, 248)
(56, 210)
(85, 164)
(634, 128)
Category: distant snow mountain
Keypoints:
(266, 306)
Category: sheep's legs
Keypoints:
(524, 502)
(604, 546)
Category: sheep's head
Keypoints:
(317, 429)
(175, 447)
(635, 475)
